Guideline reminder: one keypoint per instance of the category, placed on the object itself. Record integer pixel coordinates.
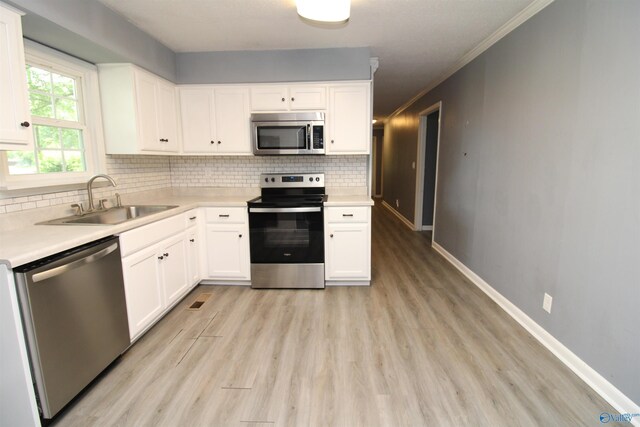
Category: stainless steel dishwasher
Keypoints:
(75, 319)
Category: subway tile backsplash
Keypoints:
(244, 171)
(140, 173)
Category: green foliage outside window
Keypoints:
(57, 148)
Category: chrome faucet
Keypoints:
(91, 208)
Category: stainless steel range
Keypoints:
(286, 230)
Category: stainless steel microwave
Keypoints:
(287, 133)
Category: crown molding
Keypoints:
(524, 15)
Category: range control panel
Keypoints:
(291, 180)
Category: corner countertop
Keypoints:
(346, 200)
(26, 244)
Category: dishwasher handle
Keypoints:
(47, 274)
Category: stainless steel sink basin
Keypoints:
(110, 216)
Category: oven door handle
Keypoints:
(285, 210)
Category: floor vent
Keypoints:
(199, 302)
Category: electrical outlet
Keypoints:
(413, 165)
(546, 302)
(397, 203)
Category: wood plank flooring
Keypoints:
(421, 346)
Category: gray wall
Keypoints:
(547, 198)
(92, 32)
(274, 66)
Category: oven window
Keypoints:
(282, 137)
(286, 237)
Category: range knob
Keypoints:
(317, 179)
(273, 180)
(310, 179)
(266, 180)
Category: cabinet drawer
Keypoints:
(226, 215)
(348, 214)
(141, 237)
(191, 218)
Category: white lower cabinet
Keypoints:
(193, 255)
(143, 289)
(348, 243)
(173, 269)
(159, 267)
(227, 243)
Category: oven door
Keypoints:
(291, 235)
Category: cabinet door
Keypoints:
(174, 269)
(196, 106)
(193, 256)
(147, 112)
(15, 117)
(349, 118)
(348, 251)
(232, 120)
(308, 97)
(227, 251)
(167, 116)
(269, 98)
(142, 287)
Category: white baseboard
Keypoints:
(398, 214)
(597, 382)
(427, 228)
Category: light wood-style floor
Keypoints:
(422, 347)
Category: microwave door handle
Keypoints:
(308, 136)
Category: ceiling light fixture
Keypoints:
(324, 10)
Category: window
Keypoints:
(64, 134)
(57, 125)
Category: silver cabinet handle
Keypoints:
(284, 210)
(47, 274)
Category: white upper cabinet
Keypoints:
(349, 119)
(288, 97)
(215, 120)
(139, 111)
(15, 117)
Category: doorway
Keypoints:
(427, 173)
(377, 142)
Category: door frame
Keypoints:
(420, 167)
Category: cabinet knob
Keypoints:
(239, 235)
(192, 240)
(166, 254)
(282, 99)
(160, 257)
(25, 124)
(213, 142)
(219, 142)
(332, 141)
(331, 235)
(293, 99)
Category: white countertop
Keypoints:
(23, 245)
(347, 200)
(28, 243)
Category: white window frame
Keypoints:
(89, 116)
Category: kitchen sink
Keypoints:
(111, 216)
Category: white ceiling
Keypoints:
(416, 40)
